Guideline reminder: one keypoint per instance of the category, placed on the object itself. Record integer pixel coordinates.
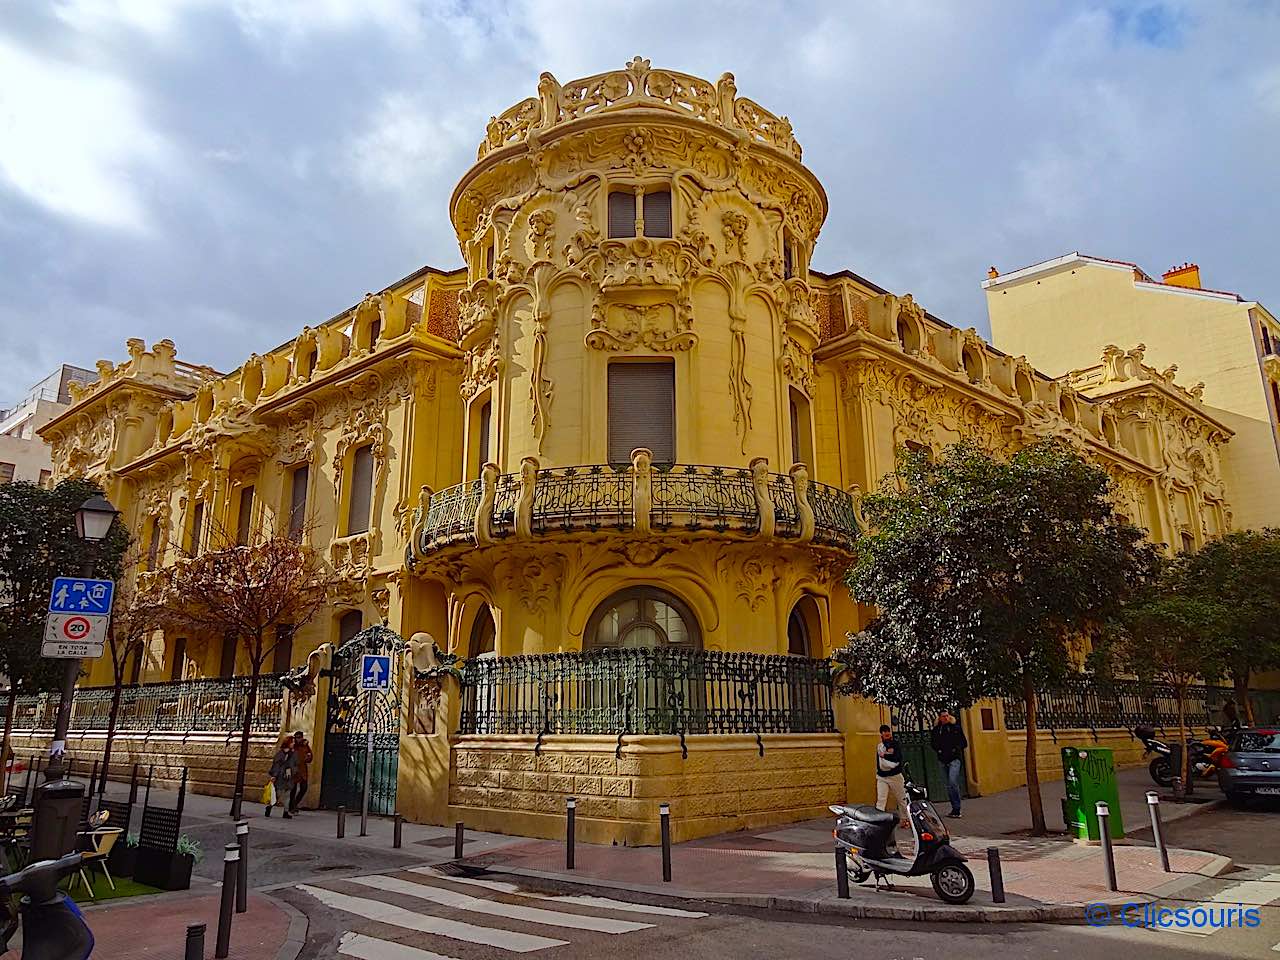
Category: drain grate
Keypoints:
(335, 866)
(436, 842)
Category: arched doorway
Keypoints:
(643, 616)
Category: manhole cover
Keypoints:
(436, 842)
(278, 845)
(336, 866)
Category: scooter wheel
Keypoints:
(953, 883)
(1161, 771)
(857, 874)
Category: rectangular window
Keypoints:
(6, 472)
(46, 478)
(642, 410)
(801, 431)
(179, 658)
(153, 543)
(197, 528)
(361, 491)
(488, 261)
(227, 668)
(788, 267)
(244, 521)
(657, 213)
(282, 655)
(375, 330)
(622, 213)
(298, 501)
(1266, 341)
(795, 432)
(482, 447)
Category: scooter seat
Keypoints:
(869, 814)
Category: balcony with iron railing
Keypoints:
(639, 497)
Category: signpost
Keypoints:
(375, 677)
(75, 629)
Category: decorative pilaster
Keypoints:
(524, 504)
(642, 489)
(764, 503)
(483, 528)
(804, 510)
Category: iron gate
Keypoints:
(914, 737)
(351, 715)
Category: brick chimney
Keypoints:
(1187, 275)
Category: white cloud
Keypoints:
(406, 143)
(72, 139)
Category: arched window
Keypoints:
(484, 635)
(642, 617)
(797, 634)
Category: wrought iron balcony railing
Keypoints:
(638, 496)
(1091, 703)
(187, 706)
(646, 691)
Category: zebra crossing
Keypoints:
(422, 914)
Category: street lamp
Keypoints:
(94, 518)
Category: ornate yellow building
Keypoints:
(613, 464)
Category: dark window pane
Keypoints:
(642, 410)
(622, 214)
(298, 502)
(486, 419)
(657, 213)
(244, 522)
(361, 491)
(179, 658)
(197, 528)
(282, 655)
(228, 666)
(153, 544)
(349, 626)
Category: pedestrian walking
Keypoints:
(280, 777)
(889, 778)
(302, 769)
(949, 744)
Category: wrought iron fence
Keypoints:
(646, 691)
(206, 705)
(1088, 703)
(598, 497)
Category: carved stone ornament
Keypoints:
(654, 326)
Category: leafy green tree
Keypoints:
(983, 571)
(38, 542)
(1240, 575)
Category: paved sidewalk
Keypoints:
(156, 927)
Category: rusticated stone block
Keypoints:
(560, 783)
(597, 807)
(602, 766)
(586, 786)
(522, 761)
(615, 786)
(661, 787)
(547, 763)
(576, 763)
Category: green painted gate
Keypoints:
(351, 714)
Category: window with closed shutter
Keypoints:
(361, 491)
(642, 410)
(657, 213)
(622, 214)
(298, 502)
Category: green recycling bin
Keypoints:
(1090, 775)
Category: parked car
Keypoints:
(1251, 766)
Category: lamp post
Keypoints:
(93, 523)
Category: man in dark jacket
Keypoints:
(949, 744)
(889, 776)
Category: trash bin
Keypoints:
(58, 805)
(1090, 775)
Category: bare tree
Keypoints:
(244, 592)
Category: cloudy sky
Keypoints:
(222, 172)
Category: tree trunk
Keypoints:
(1241, 683)
(1187, 771)
(1033, 771)
(250, 704)
(111, 732)
(8, 730)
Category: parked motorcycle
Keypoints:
(1205, 754)
(52, 926)
(867, 837)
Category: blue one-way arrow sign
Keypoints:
(90, 598)
(375, 672)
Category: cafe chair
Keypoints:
(101, 841)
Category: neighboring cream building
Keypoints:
(1059, 314)
(613, 463)
(23, 454)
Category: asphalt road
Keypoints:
(1248, 835)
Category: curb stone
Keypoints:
(296, 936)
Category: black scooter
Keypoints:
(52, 926)
(866, 834)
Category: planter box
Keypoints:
(163, 869)
(122, 860)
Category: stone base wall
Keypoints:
(210, 759)
(1127, 750)
(500, 784)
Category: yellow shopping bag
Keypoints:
(269, 793)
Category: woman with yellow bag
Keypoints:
(280, 777)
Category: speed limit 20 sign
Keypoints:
(73, 636)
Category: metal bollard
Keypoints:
(237, 801)
(458, 829)
(342, 822)
(571, 806)
(997, 874)
(230, 859)
(395, 831)
(842, 874)
(664, 817)
(1104, 834)
(1157, 828)
(242, 878)
(195, 942)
